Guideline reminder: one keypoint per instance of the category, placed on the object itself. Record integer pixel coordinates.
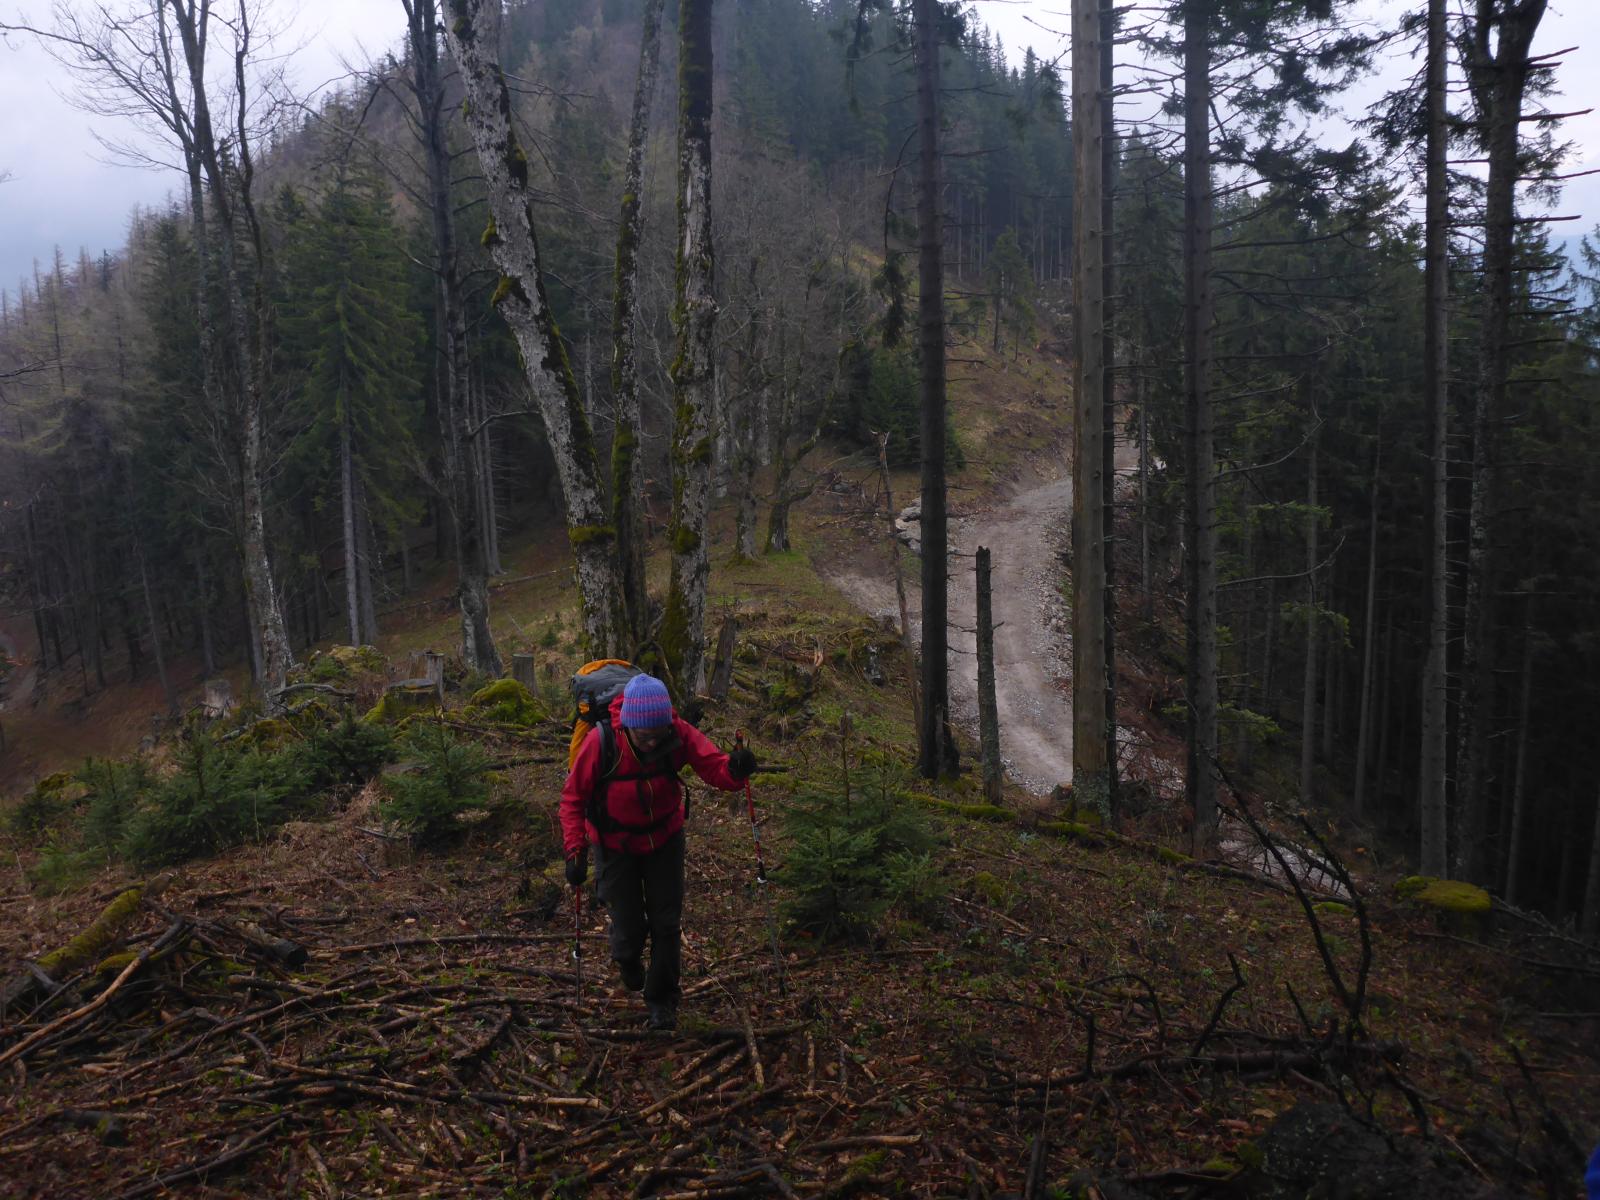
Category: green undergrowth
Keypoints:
(217, 789)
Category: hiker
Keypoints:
(631, 809)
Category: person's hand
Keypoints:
(578, 868)
(741, 763)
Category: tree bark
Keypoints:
(1498, 79)
(1200, 534)
(936, 750)
(227, 181)
(694, 382)
(1308, 693)
(1369, 655)
(1433, 812)
(1513, 875)
(1591, 897)
(512, 240)
(1089, 775)
(347, 497)
(627, 493)
(1108, 383)
(988, 706)
(461, 487)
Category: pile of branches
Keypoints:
(452, 1063)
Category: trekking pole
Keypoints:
(577, 938)
(761, 872)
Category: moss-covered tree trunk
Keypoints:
(694, 316)
(627, 490)
(512, 240)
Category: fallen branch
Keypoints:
(176, 930)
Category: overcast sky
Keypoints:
(63, 190)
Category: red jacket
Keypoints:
(656, 803)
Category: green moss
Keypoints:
(400, 702)
(502, 291)
(1075, 831)
(975, 812)
(1333, 908)
(867, 1164)
(1168, 855)
(508, 702)
(1454, 896)
(1250, 1155)
(996, 891)
(517, 160)
(685, 540)
(1412, 885)
(92, 942)
(584, 535)
(491, 234)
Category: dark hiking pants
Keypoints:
(644, 894)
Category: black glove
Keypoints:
(578, 868)
(741, 763)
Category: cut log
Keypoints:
(89, 946)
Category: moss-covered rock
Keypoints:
(1447, 895)
(1451, 895)
(1332, 908)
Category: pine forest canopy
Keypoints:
(295, 396)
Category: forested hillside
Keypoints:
(609, 328)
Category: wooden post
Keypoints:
(722, 671)
(988, 708)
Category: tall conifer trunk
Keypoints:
(1200, 534)
(1498, 78)
(347, 505)
(694, 382)
(512, 240)
(1432, 857)
(460, 483)
(1308, 684)
(1089, 781)
(627, 490)
(936, 751)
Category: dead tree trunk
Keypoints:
(513, 242)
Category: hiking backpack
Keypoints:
(594, 688)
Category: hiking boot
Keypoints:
(663, 1017)
(632, 975)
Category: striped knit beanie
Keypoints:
(645, 704)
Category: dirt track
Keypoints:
(1026, 535)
